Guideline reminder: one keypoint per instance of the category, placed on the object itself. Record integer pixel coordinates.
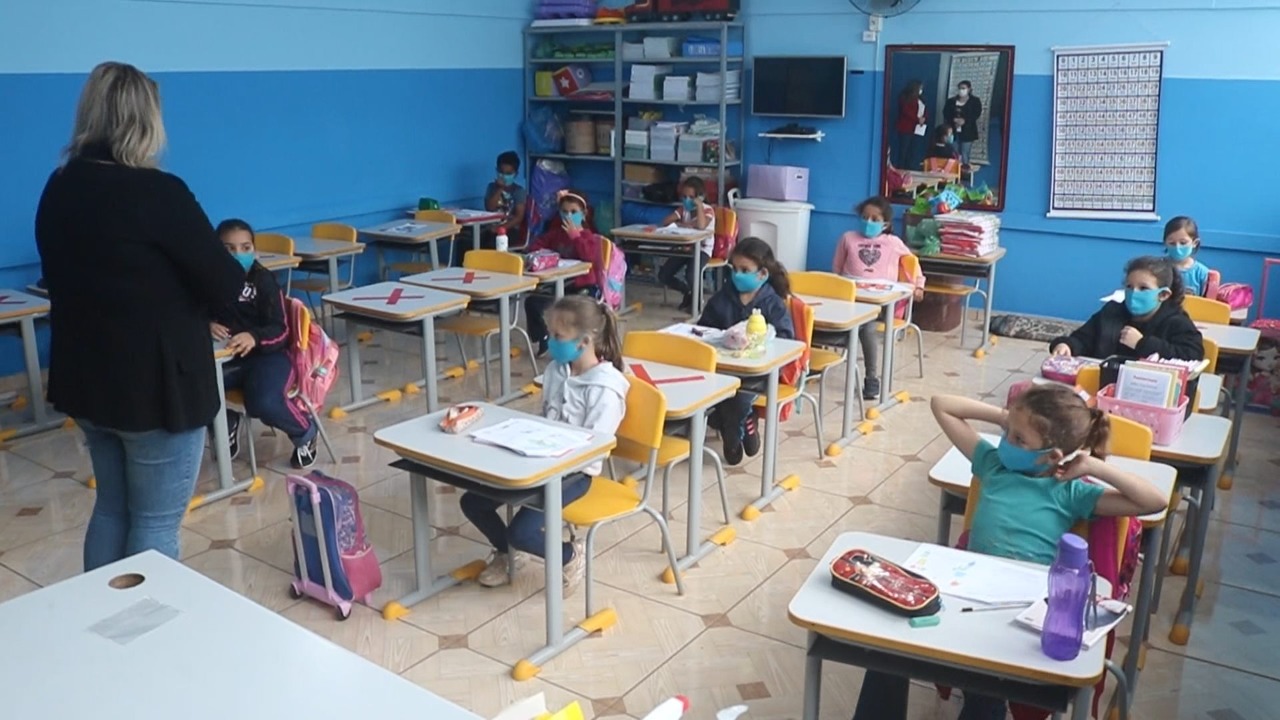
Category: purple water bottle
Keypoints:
(1070, 578)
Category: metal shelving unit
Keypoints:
(725, 32)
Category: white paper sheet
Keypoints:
(977, 577)
(532, 438)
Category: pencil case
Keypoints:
(884, 583)
(540, 260)
(1063, 369)
(460, 417)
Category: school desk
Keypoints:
(1210, 389)
(983, 651)
(23, 309)
(472, 218)
(428, 453)
(410, 233)
(141, 635)
(953, 474)
(566, 270)
(331, 251)
(885, 300)
(277, 261)
(1240, 342)
(831, 315)
(400, 308)
(690, 394)
(484, 285)
(650, 240)
(221, 448)
(981, 269)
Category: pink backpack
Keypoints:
(611, 273)
(333, 561)
(1238, 295)
(314, 356)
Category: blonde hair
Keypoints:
(119, 110)
(593, 319)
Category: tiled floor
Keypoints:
(728, 641)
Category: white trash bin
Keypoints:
(783, 225)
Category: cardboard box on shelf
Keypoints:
(646, 174)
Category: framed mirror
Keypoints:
(946, 122)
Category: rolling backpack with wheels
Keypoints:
(333, 561)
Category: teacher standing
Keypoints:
(962, 111)
(132, 266)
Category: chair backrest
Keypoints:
(908, 269)
(1090, 379)
(1206, 310)
(645, 416)
(726, 235)
(1211, 354)
(441, 216)
(334, 231)
(670, 349)
(273, 243)
(1130, 439)
(823, 284)
(494, 261)
(950, 166)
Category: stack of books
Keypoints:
(676, 88)
(663, 139)
(660, 48)
(646, 79)
(635, 144)
(967, 233)
(1158, 383)
(711, 86)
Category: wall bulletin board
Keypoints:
(1106, 121)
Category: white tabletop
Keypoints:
(685, 397)
(985, 641)
(277, 261)
(777, 352)
(832, 314)
(312, 248)
(15, 304)
(1231, 339)
(954, 473)
(653, 233)
(869, 291)
(396, 301)
(564, 270)
(58, 662)
(411, 232)
(422, 440)
(479, 284)
(468, 216)
(1203, 441)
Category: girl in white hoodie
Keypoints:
(583, 386)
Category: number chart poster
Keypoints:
(1106, 120)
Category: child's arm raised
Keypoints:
(953, 414)
(1128, 495)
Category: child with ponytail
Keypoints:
(1030, 495)
(583, 386)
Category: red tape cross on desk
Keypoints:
(643, 374)
(465, 279)
(394, 298)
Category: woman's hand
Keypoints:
(241, 344)
(219, 331)
(1130, 337)
(1062, 350)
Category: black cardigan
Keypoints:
(132, 266)
(1169, 333)
(970, 112)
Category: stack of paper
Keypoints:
(692, 148)
(663, 136)
(676, 88)
(533, 438)
(1109, 614)
(1152, 383)
(632, 51)
(967, 233)
(980, 578)
(710, 86)
(645, 80)
(659, 48)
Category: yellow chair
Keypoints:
(726, 226)
(1130, 439)
(607, 500)
(686, 353)
(794, 393)
(483, 325)
(270, 242)
(1206, 310)
(821, 357)
(318, 270)
(1090, 379)
(908, 269)
(420, 259)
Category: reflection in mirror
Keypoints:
(946, 123)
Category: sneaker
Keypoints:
(304, 456)
(751, 436)
(497, 572)
(576, 568)
(233, 433)
(686, 303)
(871, 388)
(731, 435)
(543, 347)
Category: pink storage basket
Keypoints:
(1165, 423)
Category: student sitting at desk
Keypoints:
(583, 386)
(1149, 321)
(1181, 243)
(1030, 496)
(693, 212)
(256, 332)
(760, 282)
(944, 144)
(572, 239)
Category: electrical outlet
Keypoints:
(875, 23)
(869, 36)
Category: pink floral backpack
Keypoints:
(314, 356)
(333, 560)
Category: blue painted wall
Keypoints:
(1219, 88)
(282, 112)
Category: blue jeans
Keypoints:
(965, 149)
(677, 273)
(145, 480)
(528, 527)
(884, 697)
(262, 378)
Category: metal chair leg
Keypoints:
(484, 354)
(667, 544)
(817, 422)
(586, 548)
(528, 343)
(719, 466)
(919, 347)
(253, 454)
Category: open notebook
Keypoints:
(532, 438)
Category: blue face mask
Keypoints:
(690, 204)
(1021, 460)
(1179, 252)
(575, 217)
(746, 282)
(507, 178)
(872, 228)
(564, 351)
(245, 259)
(1142, 302)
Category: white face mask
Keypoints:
(963, 92)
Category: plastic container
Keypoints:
(500, 242)
(580, 137)
(784, 226)
(672, 709)
(1165, 423)
(757, 333)
(778, 182)
(1070, 581)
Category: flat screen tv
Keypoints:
(799, 86)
